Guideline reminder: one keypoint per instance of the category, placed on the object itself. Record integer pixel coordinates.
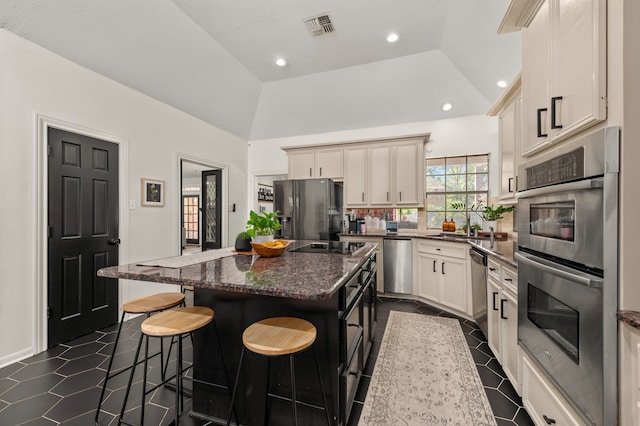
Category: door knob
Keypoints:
(113, 241)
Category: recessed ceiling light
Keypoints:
(446, 106)
(281, 62)
(501, 84)
(392, 38)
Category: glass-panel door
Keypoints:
(190, 218)
(211, 209)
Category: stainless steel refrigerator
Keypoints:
(308, 209)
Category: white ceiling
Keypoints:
(214, 58)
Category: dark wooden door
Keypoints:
(211, 209)
(83, 234)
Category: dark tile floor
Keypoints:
(61, 386)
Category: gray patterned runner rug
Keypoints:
(425, 375)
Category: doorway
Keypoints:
(83, 234)
(201, 213)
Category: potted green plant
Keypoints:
(261, 227)
(243, 241)
(489, 214)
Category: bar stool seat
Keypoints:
(177, 321)
(141, 305)
(280, 336)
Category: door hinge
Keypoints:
(49, 231)
(48, 312)
(49, 150)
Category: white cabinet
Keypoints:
(316, 163)
(396, 174)
(355, 176)
(440, 273)
(542, 401)
(563, 71)
(630, 380)
(502, 316)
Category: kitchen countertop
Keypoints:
(308, 276)
(631, 318)
(502, 250)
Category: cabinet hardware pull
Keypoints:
(554, 102)
(434, 266)
(442, 268)
(320, 171)
(495, 293)
(387, 195)
(437, 249)
(510, 180)
(363, 196)
(310, 171)
(400, 195)
(502, 308)
(508, 279)
(492, 269)
(539, 118)
(549, 421)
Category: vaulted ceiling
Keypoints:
(214, 59)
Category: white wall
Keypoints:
(462, 135)
(34, 80)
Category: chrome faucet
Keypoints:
(492, 236)
(468, 226)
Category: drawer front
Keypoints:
(349, 380)
(493, 270)
(541, 401)
(510, 280)
(458, 250)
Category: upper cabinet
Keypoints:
(307, 163)
(377, 173)
(508, 111)
(563, 71)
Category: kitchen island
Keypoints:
(332, 285)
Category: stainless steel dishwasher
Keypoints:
(397, 265)
(479, 288)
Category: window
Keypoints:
(463, 179)
(190, 218)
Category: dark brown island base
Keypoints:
(330, 284)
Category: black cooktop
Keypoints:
(332, 247)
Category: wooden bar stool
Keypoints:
(174, 323)
(141, 305)
(280, 336)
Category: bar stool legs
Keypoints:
(276, 337)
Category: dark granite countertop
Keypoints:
(310, 276)
(631, 318)
(503, 250)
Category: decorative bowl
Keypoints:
(271, 249)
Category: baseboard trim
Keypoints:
(15, 357)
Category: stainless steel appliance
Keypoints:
(397, 265)
(308, 209)
(479, 288)
(567, 270)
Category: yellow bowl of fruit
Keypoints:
(271, 248)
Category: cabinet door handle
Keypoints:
(502, 308)
(510, 180)
(320, 171)
(508, 279)
(310, 172)
(549, 420)
(434, 266)
(539, 118)
(495, 293)
(554, 102)
(442, 268)
(363, 196)
(400, 195)
(492, 269)
(387, 195)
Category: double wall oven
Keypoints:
(568, 270)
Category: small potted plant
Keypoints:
(261, 227)
(490, 216)
(243, 241)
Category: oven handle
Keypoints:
(557, 270)
(597, 183)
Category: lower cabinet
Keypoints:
(441, 273)
(630, 380)
(502, 316)
(543, 403)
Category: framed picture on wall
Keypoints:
(152, 192)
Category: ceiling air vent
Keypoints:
(319, 25)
